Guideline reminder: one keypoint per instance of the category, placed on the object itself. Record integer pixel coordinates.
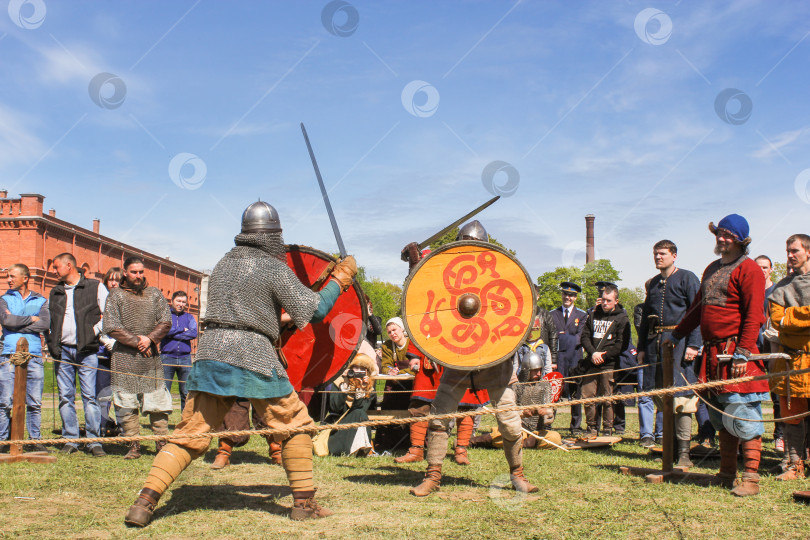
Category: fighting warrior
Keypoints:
(247, 290)
(790, 316)
(454, 383)
(728, 309)
(137, 317)
(669, 294)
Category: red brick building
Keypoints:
(30, 237)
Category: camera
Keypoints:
(356, 373)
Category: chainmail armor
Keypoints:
(138, 314)
(536, 393)
(247, 289)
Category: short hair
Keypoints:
(67, 257)
(611, 289)
(113, 273)
(22, 268)
(770, 262)
(802, 238)
(666, 244)
(132, 260)
(179, 293)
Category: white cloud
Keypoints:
(17, 143)
(773, 145)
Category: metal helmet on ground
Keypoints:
(473, 231)
(260, 217)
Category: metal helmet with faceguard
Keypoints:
(473, 231)
(260, 217)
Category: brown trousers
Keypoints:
(593, 385)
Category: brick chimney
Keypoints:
(96, 225)
(589, 242)
(52, 212)
(31, 204)
(3, 194)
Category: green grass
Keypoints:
(582, 495)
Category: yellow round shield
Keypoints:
(468, 305)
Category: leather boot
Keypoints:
(795, 471)
(134, 451)
(463, 433)
(223, 458)
(728, 459)
(683, 455)
(484, 441)
(417, 450)
(306, 507)
(749, 484)
(274, 449)
(514, 456)
(794, 466)
(140, 513)
(431, 483)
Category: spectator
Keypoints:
(76, 304)
(605, 337)
(137, 317)
(352, 396)
(107, 426)
(374, 328)
(764, 262)
(570, 321)
(176, 346)
(399, 357)
(23, 314)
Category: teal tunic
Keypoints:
(223, 379)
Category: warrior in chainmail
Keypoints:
(137, 317)
(247, 290)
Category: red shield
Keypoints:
(321, 351)
(556, 380)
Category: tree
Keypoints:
(450, 236)
(386, 298)
(779, 271)
(548, 284)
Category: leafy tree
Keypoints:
(548, 284)
(779, 271)
(386, 298)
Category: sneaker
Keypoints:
(607, 433)
(659, 441)
(40, 448)
(98, 451)
(779, 445)
(69, 449)
(646, 442)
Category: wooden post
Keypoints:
(17, 431)
(669, 410)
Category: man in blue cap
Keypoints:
(570, 321)
(728, 309)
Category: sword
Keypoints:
(762, 356)
(329, 211)
(425, 243)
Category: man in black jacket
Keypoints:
(76, 305)
(605, 337)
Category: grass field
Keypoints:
(582, 495)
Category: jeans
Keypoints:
(182, 374)
(103, 392)
(646, 414)
(33, 398)
(66, 370)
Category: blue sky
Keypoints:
(608, 108)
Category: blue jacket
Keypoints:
(177, 342)
(17, 322)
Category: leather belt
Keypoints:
(231, 326)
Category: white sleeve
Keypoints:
(102, 304)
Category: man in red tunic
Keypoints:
(728, 309)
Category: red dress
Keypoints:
(728, 305)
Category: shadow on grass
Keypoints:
(239, 457)
(395, 476)
(224, 498)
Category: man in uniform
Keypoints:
(137, 317)
(453, 385)
(790, 315)
(728, 309)
(247, 290)
(570, 321)
(669, 294)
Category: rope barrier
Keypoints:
(402, 421)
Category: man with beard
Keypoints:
(669, 294)
(247, 290)
(137, 317)
(790, 315)
(728, 309)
